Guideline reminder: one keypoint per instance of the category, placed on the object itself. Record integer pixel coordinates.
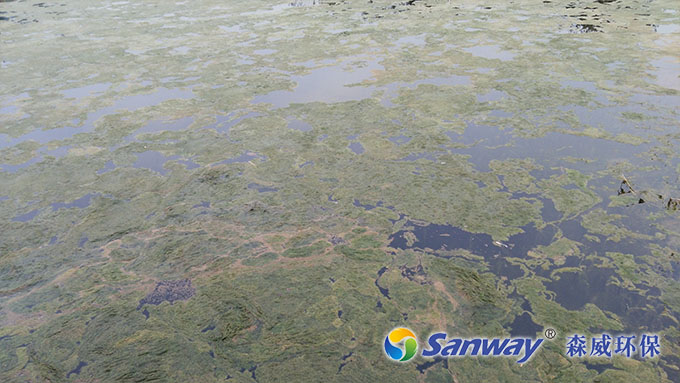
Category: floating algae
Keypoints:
(304, 176)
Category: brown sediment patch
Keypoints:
(25, 320)
(439, 286)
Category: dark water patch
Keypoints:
(600, 368)
(189, 164)
(208, 328)
(302, 126)
(671, 365)
(378, 304)
(146, 313)
(212, 354)
(252, 372)
(524, 325)
(596, 285)
(169, 291)
(526, 305)
(385, 292)
(79, 203)
(356, 147)
(76, 370)
(262, 188)
(422, 367)
(447, 237)
(129, 103)
(549, 213)
(486, 143)
(344, 363)
(225, 123)
(339, 313)
(107, 167)
(26, 216)
(506, 269)
(371, 207)
(327, 84)
(573, 290)
(153, 161)
(573, 230)
(492, 95)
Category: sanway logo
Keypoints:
(522, 348)
(438, 346)
(394, 338)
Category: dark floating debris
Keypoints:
(335, 240)
(627, 188)
(169, 291)
(585, 28)
(414, 274)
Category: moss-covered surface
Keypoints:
(254, 191)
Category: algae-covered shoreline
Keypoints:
(262, 190)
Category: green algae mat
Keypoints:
(260, 191)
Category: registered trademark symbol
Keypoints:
(550, 333)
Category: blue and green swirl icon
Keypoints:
(395, 337)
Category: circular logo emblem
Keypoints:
(399, 335)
